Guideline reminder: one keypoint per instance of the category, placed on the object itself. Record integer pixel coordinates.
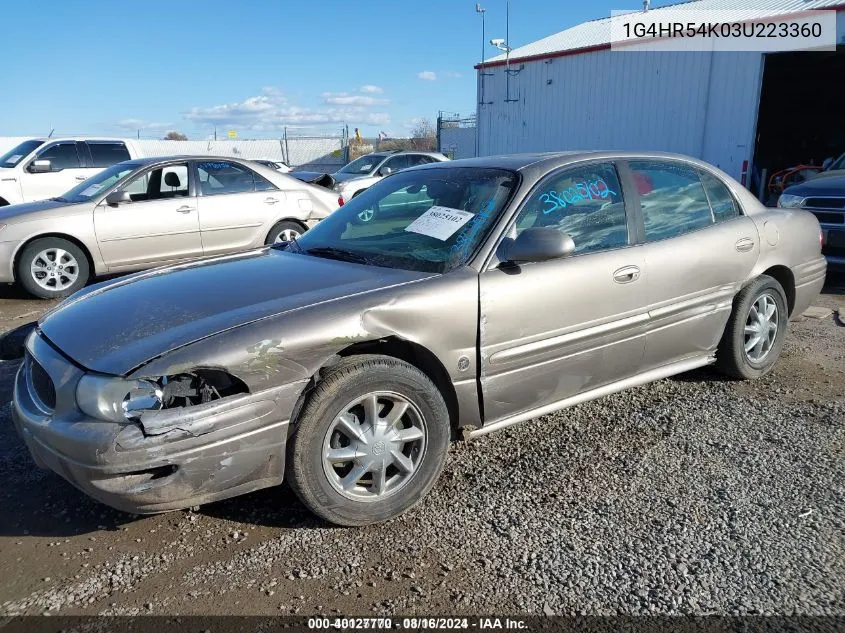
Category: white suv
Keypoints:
(42, 168)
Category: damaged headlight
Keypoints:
(117, 399)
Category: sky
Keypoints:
(254, 66)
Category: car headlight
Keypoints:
(788, 201)
(116, 399)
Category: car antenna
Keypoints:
(50, 135)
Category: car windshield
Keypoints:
(18, 153)
(429, 220)
(363, 165)
(839, 163)
(99, 183)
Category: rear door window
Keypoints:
(672, 199)
(721, 201)
(107, 154)
(222, 177)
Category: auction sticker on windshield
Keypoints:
(90, 191)
(439, 222)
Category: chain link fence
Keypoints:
(457, 135)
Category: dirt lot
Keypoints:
(690, 495)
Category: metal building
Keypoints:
(742, 111)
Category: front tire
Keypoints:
(754, 335)
(370, 441)
(52, 267)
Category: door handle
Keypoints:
(626, 274)
(744, 244)
(270, 200)
(184, 209)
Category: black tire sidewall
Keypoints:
(278, 227)
(763, 285)
(348, 382)
(24, 275)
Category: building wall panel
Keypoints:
(695, 103)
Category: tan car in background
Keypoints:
(152, 211)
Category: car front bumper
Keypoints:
(202, 454)
(834, 246)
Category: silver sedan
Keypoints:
(478, 294)
(147, 212)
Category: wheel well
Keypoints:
(419, 357)
(294, 220)
(786, 279)
(61, 236)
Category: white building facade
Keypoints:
(570, 91)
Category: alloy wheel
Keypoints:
(54, 269)
(374, 446)
(287, 235)
(761, 328)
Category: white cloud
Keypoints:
(272, 111)
(427, 75)
(344, 98)
(371, 89)
(138, 124)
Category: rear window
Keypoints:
(108, 154)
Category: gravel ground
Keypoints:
(693, 495)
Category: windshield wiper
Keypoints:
(331, 252)
(60, 199)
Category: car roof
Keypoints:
(551, 160)
(111, 139)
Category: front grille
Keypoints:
(40, 384)
(825, 203)
(829, 218)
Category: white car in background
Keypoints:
(273, 164)
(368, 170)
(153, 211)
(41, 168)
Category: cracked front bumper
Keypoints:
(209, 452)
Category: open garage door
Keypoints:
(801, 118)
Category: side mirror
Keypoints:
(116, 198)
(41, 166)
(539, 245)
(827, 163)
(385, 171)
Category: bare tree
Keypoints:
(175, 136)
(424, 135)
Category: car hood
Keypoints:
(34, 209)
(117, 326)
(829, 183)
(339, 177)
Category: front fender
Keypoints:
(292, 347)
(10, 189)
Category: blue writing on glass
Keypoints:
(581, 190)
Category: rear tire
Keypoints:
(284, 231)
(52, 267)
(754, 335)
(352, 463)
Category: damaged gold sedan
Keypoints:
(456, 297)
